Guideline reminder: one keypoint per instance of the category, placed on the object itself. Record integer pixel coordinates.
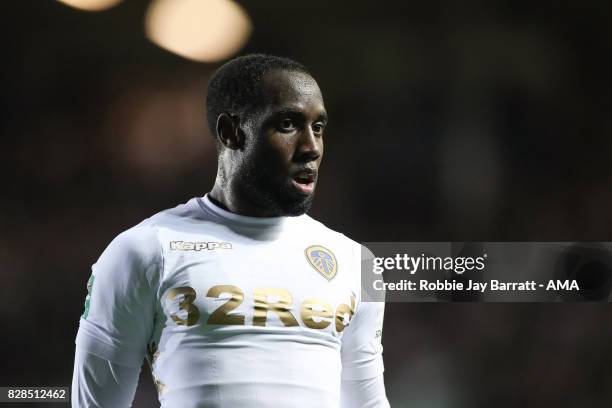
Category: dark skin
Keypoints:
(269, 160)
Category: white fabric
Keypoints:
(263, 352)
(368, 393)
(99, 383)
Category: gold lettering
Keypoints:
(313, 307)
(189, 295)
(281, 308)
(342, 311)
(221, 315)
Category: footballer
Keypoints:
(238, 299)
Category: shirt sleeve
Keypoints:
(361, 350)
(99, 383)
(120, 306)
(368, 393)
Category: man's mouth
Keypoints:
(304, 181)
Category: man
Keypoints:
(238, 298)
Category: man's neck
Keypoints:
(232, 201)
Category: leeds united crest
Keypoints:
(322, 260)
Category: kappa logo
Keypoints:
(198, 246)
(322, 260)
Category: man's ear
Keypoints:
(228, 131)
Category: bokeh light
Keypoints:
(91, 5)
(201, 30)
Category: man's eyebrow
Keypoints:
(287, 112)
(296, 112)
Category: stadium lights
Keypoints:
(91, 5)
(201, 30)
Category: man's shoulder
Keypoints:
(189, 211)
(143, 237)
(319, 228)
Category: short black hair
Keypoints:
(233, 87)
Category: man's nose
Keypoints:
(309, 146)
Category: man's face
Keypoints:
(284, 144)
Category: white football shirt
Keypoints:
(234, 311)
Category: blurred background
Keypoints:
(472, 120)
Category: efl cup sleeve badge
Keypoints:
(90, 283)
(322, 260)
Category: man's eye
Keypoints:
(318, 128)
(286, 125)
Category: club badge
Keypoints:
(322, 260)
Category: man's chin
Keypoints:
(279, 200)
(295, 205)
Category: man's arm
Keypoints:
(368, 393)
(118, 320)
(362, 364)
(99, 383)
(362, 383)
